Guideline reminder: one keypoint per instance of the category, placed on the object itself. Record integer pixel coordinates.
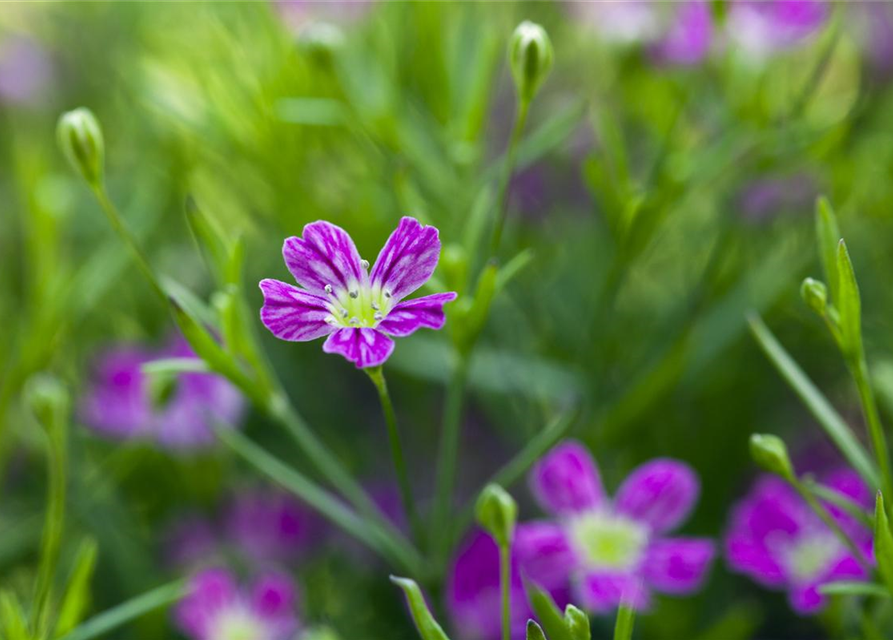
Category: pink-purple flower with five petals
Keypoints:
(340, 298)
(216, 608)
(776, 539)
(620, 550)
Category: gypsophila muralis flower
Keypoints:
(340, 298)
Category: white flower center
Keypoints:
(238, 624)
(809, 556)
(361, 305)
(605, 540)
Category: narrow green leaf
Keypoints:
(424, 621)
(210, 239)
(883, 543)
(577, 623)
(76, 598)
(174, 365)
(534, 631)
(818, 405)
(854, 589)
(13, 621)
(189, 302)
(828, 235)
(848, 303)
(547, 612)
(128, 611)
(512, 268)
(623, 628)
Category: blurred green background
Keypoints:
(634, 192)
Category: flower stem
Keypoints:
(508, 169)
(505, 577)
(859, 369)
(376, 374)
(446, 463)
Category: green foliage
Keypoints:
(424, 621)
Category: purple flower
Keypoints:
(341, 299)
(216, 608)
(123, 404)
(761, 27)
(539, 553)
(619, 549)
(25, 70)
(678, 33)
(191, 542)
(776, 539)
(765, 197)
(269, 526)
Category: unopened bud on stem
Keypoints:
(497, 512)
(530, 55)
(80, 138)
(815, 294)
(771, 454)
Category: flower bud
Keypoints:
(80, 138)
(577, 623)
(770, 453)
(497, 512)
(321, 41)
(530, 54)
(815, 294)
(48, 399)
(534, 631)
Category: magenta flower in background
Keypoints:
(26, 70)
(121, 403)
(762, 27)
(539, 553)
(341, 299)
(776, 539)
(676, 33)
(216, 608)
(297, 13)
(269, 526)
(620, 550)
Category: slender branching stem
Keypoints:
(507, 171)
(505, 586)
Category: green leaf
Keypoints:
(547, 612)
(828, 235)
(128, 611)
(534, 631)
(174, 366)
(211, 242)
(577, 623)
(623, 628)
(13, 622)
(189, 302)
(854, 589)
(512, 268)
(424, 621)
(76, 598)
(848, 303)
(883, 543)
(818, 405)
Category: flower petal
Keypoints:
(210, 592)
(566, 480)
(544, 554)
(364, 347)
(409, 315)
(324, 255)
(407, 259)
(293, 314)
(806, 600)
(678, 565)
(661, 493)
(603, 592)
(273, 601)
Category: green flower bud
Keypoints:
(321, 41)
(815, 294)
(530, 54)
(577, 623)
(497, 513)
(80, 138)
(534, 631)
(770, 453)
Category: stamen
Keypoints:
(387, 294)
(378, 316)
(354, 294)
(354, 321)
(328, 288)
(344, 313)
(364, 264)
(375, 306)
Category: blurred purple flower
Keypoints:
(620, 550)
(776, 539)
(120, 403)
(762, 27)
(270, 526)
(765, 197)
(676, 33)
(217, 608)
(25, 70)
(339, 298)
(297, 13)
(872, 23)
(539, 553)
(191, 542)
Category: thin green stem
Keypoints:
(446, 464)
(508, 169)
(505, 578)
(859, 369)
(117, 222)
(841, 501)
(830, 522)
(376, 374)
(55, 522)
